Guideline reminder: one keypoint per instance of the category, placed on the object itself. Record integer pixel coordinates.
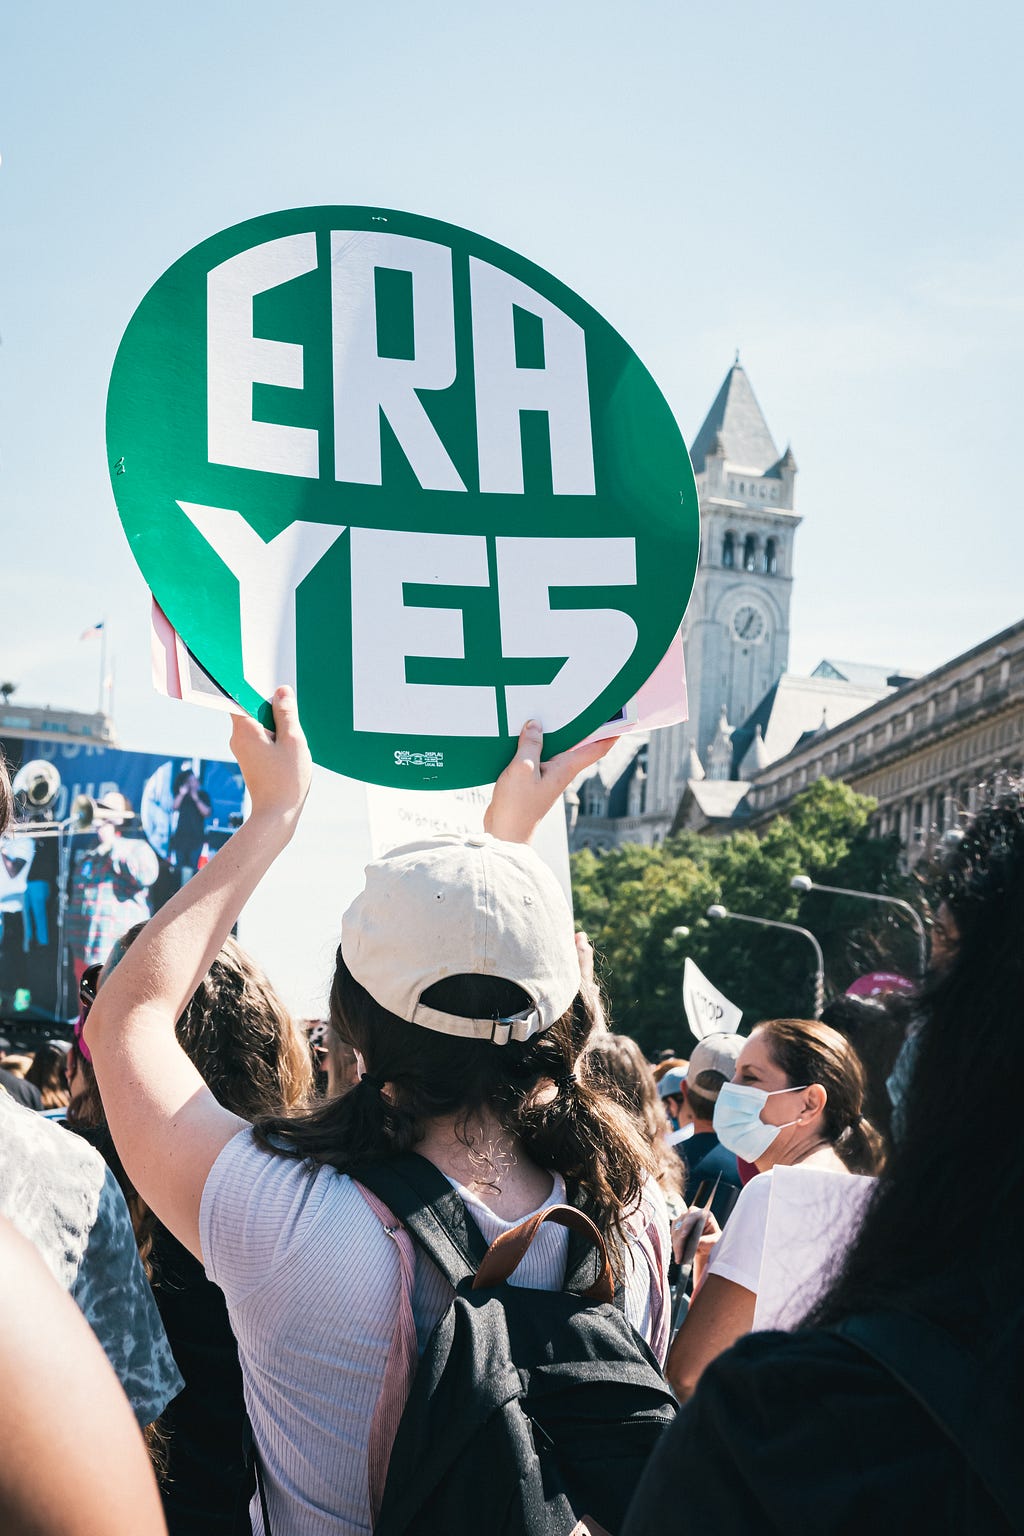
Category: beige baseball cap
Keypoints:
(455, 906)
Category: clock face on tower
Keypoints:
(748, 624)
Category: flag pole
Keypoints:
(103, 662)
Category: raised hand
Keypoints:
(276, 765)
(528, 788)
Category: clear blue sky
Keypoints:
(835, 189)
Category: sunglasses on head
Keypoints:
(87, 986)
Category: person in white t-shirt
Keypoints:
(795, 1103)
(458, 985)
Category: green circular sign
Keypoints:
(403, 468)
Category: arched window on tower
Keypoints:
(729, 552)
(771, 558)
(749, 552)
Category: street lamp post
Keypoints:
(717, 912)
(804, 884)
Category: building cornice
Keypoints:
(879, 737)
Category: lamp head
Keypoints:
(801, 883)
(717, 911)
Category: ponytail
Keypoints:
(860, 1147)
(593, 1141)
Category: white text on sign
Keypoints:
(386, 631)
(368, 386)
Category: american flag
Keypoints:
(92, 631)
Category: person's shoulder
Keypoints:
(755, 1194)
(27, 1135)
(807, 1349)
(21, 1092)
(717, 1160)
(769, 1377)
(272, 1188)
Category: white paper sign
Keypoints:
(400, 816)
(813, 1217)
(708, 1011)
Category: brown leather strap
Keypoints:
(507, 1251)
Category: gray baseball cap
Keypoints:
(715, 1053)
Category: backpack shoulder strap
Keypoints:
(430, 1210)
(583, 1262)
(945, 1381)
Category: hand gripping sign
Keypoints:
(404, 469)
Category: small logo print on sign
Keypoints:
(419, 759)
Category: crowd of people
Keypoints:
(461, 1257)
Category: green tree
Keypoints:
(630, 901)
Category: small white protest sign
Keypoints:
(708, 1011)
(399, 816)
(814, 1216)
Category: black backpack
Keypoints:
(530, 1411)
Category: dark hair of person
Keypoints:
(808, 1051)
(876, 1031)
(47, 1074)
(941, 1235)
(6, 795)
(703, 1091)
(616, 1065)
(575, 1130)
(181, 778)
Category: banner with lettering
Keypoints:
(405, 469)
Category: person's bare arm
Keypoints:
(166, 1124)
(73, 1458)
(720, 1313)
(528, 788)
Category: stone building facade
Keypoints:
(920, 752)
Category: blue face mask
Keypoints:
(737, 1120)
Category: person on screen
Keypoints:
(110, 889)
(191, 806)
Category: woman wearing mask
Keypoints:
(795, 1104)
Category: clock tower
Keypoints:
(736, 628)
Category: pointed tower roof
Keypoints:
(690, 768)
(736, 423)
(756, 756)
